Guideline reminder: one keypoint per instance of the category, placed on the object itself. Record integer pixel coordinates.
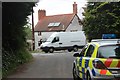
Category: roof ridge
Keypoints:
(60, 14)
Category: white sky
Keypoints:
(54, 7)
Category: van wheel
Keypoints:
(75, 48)
(69, 50)
(46, 51)
(51, 50)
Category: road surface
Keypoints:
(47, 65)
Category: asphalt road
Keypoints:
(47, 65)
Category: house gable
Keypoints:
(75, 25)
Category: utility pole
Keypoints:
(33, 38)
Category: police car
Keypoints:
(98, 60)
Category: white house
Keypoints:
(63, 22)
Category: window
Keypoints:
(56, 39)
(110, 51)
(56, 24)
(39, 33)
(90, 51)
(83, 50)
(50, 24)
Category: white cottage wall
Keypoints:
(74, 25)
(37, 38)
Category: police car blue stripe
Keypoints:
(83, 71)
(93, 72)
(80, 63)
(86, 63)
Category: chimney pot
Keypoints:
(41, 14)
(75, 8)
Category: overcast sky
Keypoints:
(54, 7)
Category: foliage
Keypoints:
(28, 32)
(13, 59)
(102, 18)
(13, 38)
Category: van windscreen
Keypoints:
(49, 39)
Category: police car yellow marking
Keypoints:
(77, 61)
(90, 63)
(98, 70)
(102, 60)
(83, 63)
(108, 73)
(114, 63)
(80, 75)
(94, 53)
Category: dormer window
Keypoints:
(50, 24)
(56, 24)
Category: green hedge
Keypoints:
(11, 60)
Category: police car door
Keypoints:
(85, 60)
(79, 67)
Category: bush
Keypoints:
(11, 61)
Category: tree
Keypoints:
(101, 18)
(13, 38)
(28, 31)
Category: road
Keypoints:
(47, 65)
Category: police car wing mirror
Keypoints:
(76, 54)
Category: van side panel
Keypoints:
(72, 39)
(67, 40)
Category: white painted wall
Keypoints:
(37, 38)
(74, 25)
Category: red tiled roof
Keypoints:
(64, 19)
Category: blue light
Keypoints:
(108, 36)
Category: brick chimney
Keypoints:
(41, 14)
(75, 8)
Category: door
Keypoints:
(55, 42)
(79, 66)
(86, 59)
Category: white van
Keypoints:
(64, 41)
